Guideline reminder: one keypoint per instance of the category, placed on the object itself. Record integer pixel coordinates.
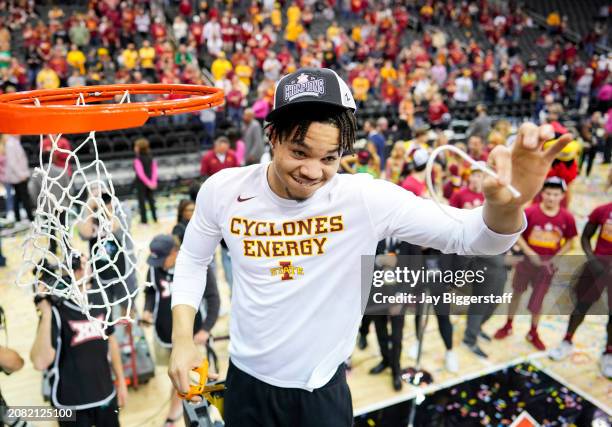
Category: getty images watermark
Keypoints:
(407, 278)
(483, 285)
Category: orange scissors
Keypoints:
(201, 389)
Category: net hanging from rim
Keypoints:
(68, 213)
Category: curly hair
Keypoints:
(295, 125)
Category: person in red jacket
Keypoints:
(595, 277)
(549, 234)
(220, 157)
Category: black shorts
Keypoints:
(249, 402)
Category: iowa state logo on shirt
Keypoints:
(286, 270)
(84, 330)
(304, 85)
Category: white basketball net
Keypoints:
(107, 278)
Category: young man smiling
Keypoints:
(292, 332)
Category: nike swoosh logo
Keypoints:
(240, 199)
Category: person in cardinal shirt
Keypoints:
(549, 234)
(197, 30)
(220, 157)
(71, 349)
(594, 278)
(161, 261)
(415, 181)
(471, 196)
(437, 113)
(477, 149)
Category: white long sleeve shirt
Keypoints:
(296, 294)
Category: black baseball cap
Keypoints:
(161, 246)
(309, 87)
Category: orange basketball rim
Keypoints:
(87, 108)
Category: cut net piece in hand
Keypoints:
(71, 209)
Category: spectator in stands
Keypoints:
(261, 107)
(477, 149)
(214, 45)
(252, 135)
(415, 181)
(61, 158)
(76, 58)
(234, 100)
(47, 78)
(208, 118)
(464, 87)
(76, 79)
(58, 181)
(129, 57)
(395, 163)
(361, 88)
(220, 157)
(528, 84)
(146, 56)
(365, 160)
(583, 89)
(244, 72)
(79, 33)
(406, 115)
(180, 29)
(5, 55)
(17, 174)
(553, 20)
(237, 144)
(481, 125)
(438, 113)
(272, 67)
(377, 138)
(293, 30)
(146, 178)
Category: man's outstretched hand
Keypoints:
(524, 165)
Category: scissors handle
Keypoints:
(201, 389)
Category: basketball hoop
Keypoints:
(112, 261)
(67, 110)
